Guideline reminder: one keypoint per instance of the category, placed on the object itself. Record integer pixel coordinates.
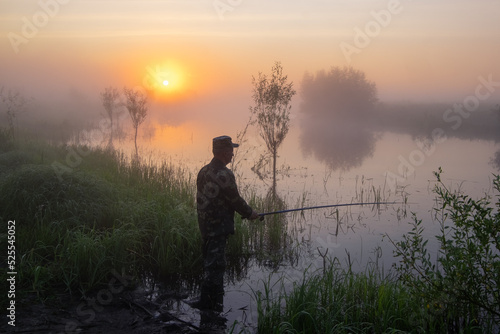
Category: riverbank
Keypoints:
(86, 218)
(105, 243)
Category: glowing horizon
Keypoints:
(411, 50)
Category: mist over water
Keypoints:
(340, 145)
(419, 92)
(344, 143)
(337, 129)
(342, 119)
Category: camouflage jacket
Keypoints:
(217, 199)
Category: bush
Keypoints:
(460, 289)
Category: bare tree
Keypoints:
(272, 96)
(109, 98)
(137, 106)
(15, 103)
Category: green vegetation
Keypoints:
(336, 300)
(459, 286)
(82, 213)
(455, 293)
(75, 225)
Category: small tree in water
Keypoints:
(272, 96)
(109, 100)
(137, 106)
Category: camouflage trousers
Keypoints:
(214, 266)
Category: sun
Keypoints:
(166, 80)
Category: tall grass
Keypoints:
(337, 300)
(104, 212)
(270, 242)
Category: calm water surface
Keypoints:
(383, 166)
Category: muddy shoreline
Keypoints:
(130, 311)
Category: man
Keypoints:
(217, 199)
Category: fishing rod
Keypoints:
(321, 207)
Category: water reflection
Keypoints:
(343, 142)
(337, 106)
(420, 119)
(275, 242)
(341, 145)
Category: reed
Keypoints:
(104, 213)
(336, 300)
(109, 212)
(366, 191)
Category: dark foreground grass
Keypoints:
(84, 213)
(336, 300)
(76, 223)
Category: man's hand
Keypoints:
(254, 215)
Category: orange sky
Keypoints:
(412, 50)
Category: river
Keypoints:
(320, 168)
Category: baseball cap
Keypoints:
(222, 142)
